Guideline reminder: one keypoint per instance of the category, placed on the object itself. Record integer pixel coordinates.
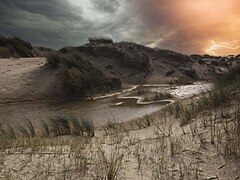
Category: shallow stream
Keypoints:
(122, 106)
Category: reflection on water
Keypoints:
(100, 110)
(185, 91)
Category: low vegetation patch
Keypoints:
(100, 40)
(54, 127)
(15, 47)
(64, 125)
(157, 96)
(80, 75)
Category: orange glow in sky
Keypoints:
(198, 22)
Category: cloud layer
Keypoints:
(57, 23)
(188, 26)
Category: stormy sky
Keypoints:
(188, 26)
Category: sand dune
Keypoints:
(26, 79)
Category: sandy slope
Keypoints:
(26, 79)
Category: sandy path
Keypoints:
(16, 76)
(27, 79)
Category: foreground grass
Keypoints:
(27, 134)
(219, 109)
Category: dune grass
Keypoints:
(219, 111)
(80, 76)
(225, 91)
(15, 47)
(58, 126)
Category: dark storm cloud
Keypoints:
(41, 22)
(52, 9)
(57, 23)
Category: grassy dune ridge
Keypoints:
(18, 48)
(15, 47)
(80, 75)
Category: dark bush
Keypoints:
(53, 59)
(202, 62)
(15, 47)
(4, 52)
(168, 73)
(190, 73)
(232, 77)
(100, 40)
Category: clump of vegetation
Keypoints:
(43, 51)
(172, 56)
(161, 96)
(54, 59)
(63, 125)
(27, 129)
(157, 96)
(80, 75)
(109, 165)
(4, 53)
(15, 47)
(54, 127)
(229, 79)
(7, 132)
(100, 40)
